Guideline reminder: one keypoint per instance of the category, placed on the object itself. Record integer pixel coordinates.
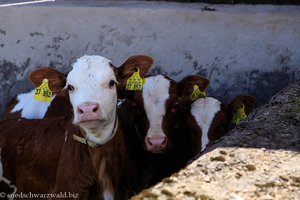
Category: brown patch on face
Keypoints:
(195, 135)
(141, 120)
(171, 116)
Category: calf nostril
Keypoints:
(149, 141)
(79, 111)
(95, 108)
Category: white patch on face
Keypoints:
(155, 95)
(204, 111)
(90, 78)
(108, 195)
(31, 108)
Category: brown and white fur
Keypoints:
(41, 156)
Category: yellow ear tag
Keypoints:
(196, 94)
(135, 82)
(43, 92)
(239, 115)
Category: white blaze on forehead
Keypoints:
(31, 108)
(204, 111)
(155, 95)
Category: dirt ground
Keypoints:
(259, 159)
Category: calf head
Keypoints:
(156, 109)
(92, 87)
(210, 118)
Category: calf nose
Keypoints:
(88, 111)
(157, 141)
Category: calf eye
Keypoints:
(111, 83)
(70, 88)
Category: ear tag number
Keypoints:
(239, 115)
(135, 82)
(43, 92)
(196, 94)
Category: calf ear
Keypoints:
(57, 80)
(130, 66)
(246, 100)
(240, 107)
(186, 85)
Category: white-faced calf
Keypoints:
(86, 155)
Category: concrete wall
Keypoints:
(241, 49)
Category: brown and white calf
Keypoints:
(155, 109)
(152, 117)
(86, 155)
(208, 120)
(25, 106)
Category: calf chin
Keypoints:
(90, 124)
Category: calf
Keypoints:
(208, 120)
(152, 116)
(25, 106)
(155, 109)
(85, 156)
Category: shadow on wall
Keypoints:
(226, 83)
(266, 84)
(13, 81)
(262, 85)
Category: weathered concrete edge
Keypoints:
(163, 5)
(233, 174)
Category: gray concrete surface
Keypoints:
(241, 49)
